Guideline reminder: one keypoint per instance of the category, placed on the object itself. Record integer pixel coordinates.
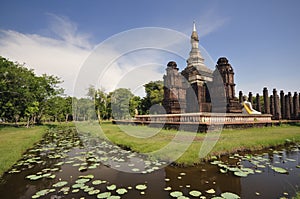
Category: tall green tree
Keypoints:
(120, 103)
(23, 94)
(100, 102)
(154, 95)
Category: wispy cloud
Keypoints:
(68, 31)
(60, 56)
(211, 21)
(207, 22)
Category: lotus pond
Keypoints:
(65, 164)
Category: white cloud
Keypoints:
(44, 55)
(210, 22)
(67, 31)
(129, 59)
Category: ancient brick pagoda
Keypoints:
(188, 91)
(200, 99)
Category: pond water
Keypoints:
(66, 165)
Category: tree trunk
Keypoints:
(67, 116)
(99, 116)
(28, 122)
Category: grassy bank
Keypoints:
(145, 140)
(14, 141)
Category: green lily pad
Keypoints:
(183, 197)
(135, 170)
(90, 176)
(168, 189)
(111, 187)
(241, 174)
(114, 197)
(51, 176)
(141, 187)
(82, 181)
(104, 195)
(79, 185)
(210, 191)
(97, 182)
(121, 191)
(279, 169)
(229, 195)
(34, 177)
(195, 193)
(60, 184)
(42, 193)
(290, 160)
(82, 168)
(75, 190)
(93, 192)
(176, 194)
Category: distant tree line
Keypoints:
(27, 97)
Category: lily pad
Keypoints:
(60, 184)
(183, 197)
(114, 197)
(121, 191)
(141, 187)
(82, 181)
(82, 168)
(195, 193)
(75, 190)
(90, 176)
(241, 174)
(104, 195)
(229, 195)
(279, 170)
(176, 194)
(93, 192)
(79, 185)
(210, 191)
(111, 187)
(97, 182)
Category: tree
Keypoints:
(22, 93)
(154, 95)
(100, 101)
(120, 103)
(135, 105)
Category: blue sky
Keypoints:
(260, 38)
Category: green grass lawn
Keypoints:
(14, 141)
(147, 140)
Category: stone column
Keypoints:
(277, 112)
(258, 105)
(287, 107)
(291, 104)
(272, 110)
(296, 106)
(282, 105)
(240, 97)
(266, 101)
(250, 98)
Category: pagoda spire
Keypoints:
(195, 57)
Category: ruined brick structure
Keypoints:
(188, 91)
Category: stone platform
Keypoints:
(201, 122)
